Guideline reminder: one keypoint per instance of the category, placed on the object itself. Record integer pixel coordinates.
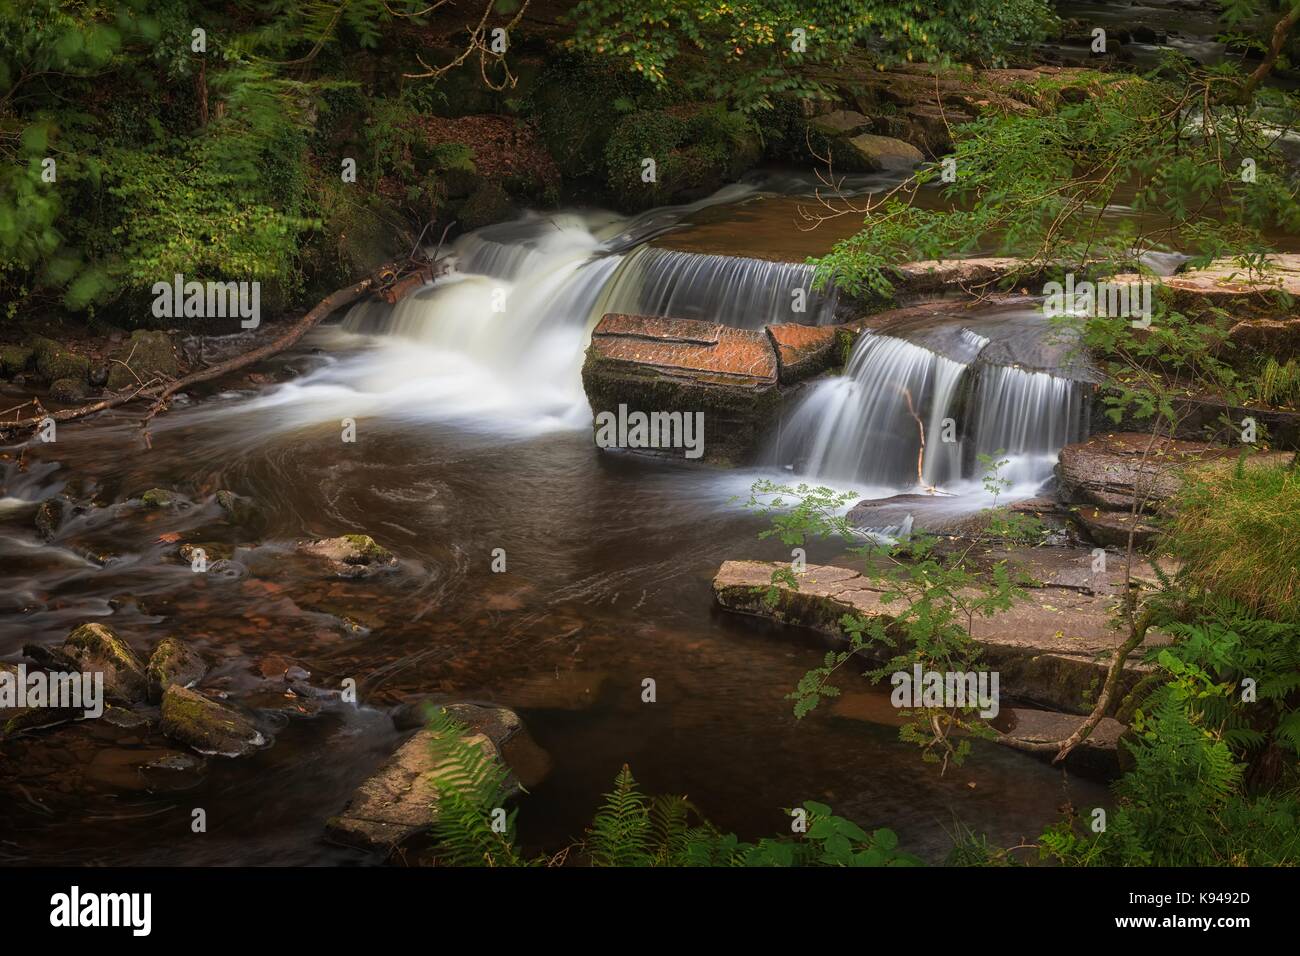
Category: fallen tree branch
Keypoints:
(381, 278)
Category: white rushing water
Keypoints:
(904, 417)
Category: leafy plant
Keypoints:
(630, 829)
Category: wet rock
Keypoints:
(95, 648)
(351, 555)
(15, 359)
(49, 515)
(173, 662)
(206, 725)
(878, 153)
(161, 498)
(99, 376)
(839, 122)
(210, 551)
(237, 508)
(1111, 528)
(401, 799)
(54, 362)
(125, 719)
(68, 391)
(14, 719)
(1099, 752)
(682, 365)
(275, 667)
(1105, 474)
(802, 351)
(1051, 649)
(227, 570)
(144, 357)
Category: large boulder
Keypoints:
(1052, 650)
(146, 356)
(871, 153)
(735, 377)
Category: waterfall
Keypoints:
(1029, 416)
(729, 290)
(903, 415)
(867, 424)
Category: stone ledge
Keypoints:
(1052, 650)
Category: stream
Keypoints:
(473, 434)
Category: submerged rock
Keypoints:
(16, 720)
(238, 509)
(49, 516)
(401, 799)
(351, 555)
(206, 725)
(161, 498)
(173, 662)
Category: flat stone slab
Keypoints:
(1051, 649)
(685, 347)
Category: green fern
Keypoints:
(473, 787)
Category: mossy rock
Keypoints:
(160, 498)
(213, 551)
(68, 391)
(206, 725)
(238, 509)
(488, 204)
(144, 356)
(15, 359)
(173, 662)
(351, 555)
(57, 364)
(96, 648)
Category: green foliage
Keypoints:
(1238, 536)
(1278, 384)
(693, 150)
(1036, 185)
(630, 829)
(932, 601)
(472, 785)
(1181, 804)
(745, 53)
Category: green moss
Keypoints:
(158, 498)
(55, 364)
(15, 359)
(145, 356)
(368, 548)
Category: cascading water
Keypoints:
(1028, 416)
(867, 424)
(506, 332)
(903, 415)
(731, 290)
